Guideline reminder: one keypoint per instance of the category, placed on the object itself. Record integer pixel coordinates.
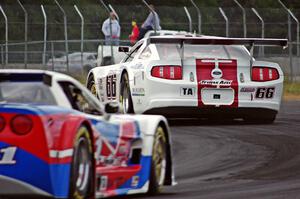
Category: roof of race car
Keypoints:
(214, 40)
(36, 71)
(55, 76)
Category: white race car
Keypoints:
(186, 76)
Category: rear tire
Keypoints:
(92, 86)
(158, 163)
(125, 95)
(82, 169)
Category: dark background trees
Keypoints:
(171, 13)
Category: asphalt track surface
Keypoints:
(232, 159)
(237, 160)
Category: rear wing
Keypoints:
(220, 41)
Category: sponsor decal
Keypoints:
(187, 91)
(100, 84)
(139, 101)
(138, 92)
(265, 93)
(102, 98)
(247, 89)
(103, 183)
(216, 73)
(135, 181)
(242, 78)
(61, 153)
(216, 82)
(192, 78)
(138, 66)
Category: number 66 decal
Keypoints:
(7, 155)
(264, 92)
(111, 87)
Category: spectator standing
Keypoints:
(152, 22)
(135, 33)
(111, 30)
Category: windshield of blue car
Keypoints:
(26, 92)
(173, 51)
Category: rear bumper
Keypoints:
(216, 112)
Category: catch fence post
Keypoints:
(189, 18)
(25, 34)
(244, 18)
(82, 32)
(226, 20)
(45, 35)
(52, 54)
(262, 48)
(2, 56)
(291, 14)
(290, 40)
(6, 35)
(114, 11)
(199, 17)
(154, 16)
(65, 33)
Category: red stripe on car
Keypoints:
(204, 69)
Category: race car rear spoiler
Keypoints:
(220, 41)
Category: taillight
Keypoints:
(2, 123)
(262, 74)
(167, 72)
(21, 124)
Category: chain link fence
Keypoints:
(273, 23)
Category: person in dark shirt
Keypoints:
(152, 22)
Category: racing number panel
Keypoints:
(111, 87)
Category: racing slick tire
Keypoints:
(82, 168)
(158, 163)
(125, 95)
(267, 118)
(92, 86)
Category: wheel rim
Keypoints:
(83, 166)
(159, 156)
(125, 99)
(93, 89)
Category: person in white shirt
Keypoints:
(111, 30)
(152, 22)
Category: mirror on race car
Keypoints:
(112, 107)
(124, 49)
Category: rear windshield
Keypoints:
(26, 92)
(172, 51)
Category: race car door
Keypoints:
(114, 155)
